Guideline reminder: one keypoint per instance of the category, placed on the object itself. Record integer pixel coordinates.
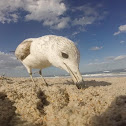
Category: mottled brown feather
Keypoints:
(23, 50)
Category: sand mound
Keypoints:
(102, 102)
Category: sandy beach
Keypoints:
(101, 103)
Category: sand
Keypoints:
(101, 103)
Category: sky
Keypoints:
(98, 28)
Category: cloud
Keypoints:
(84, 21)
(116, 33)
(109, 63)
(75, 33)
(96, 48)
(63, 23)
(8, 10)
(121, 42)
(122, 29)
(120, 57)
(52, 13)
(112, 58)
(90, 14)
(8, 61)
(57, 23)
(48, 12)
(10, 66)
(86, 14)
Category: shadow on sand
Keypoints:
(7, 110)
(96, 83)
(8, 117)
(43, 102)
(115, 115)
(92, 83)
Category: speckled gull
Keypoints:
(50, 50)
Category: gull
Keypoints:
(50, 50)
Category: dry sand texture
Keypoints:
(101, 103)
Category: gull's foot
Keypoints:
(46, 84)
(81, 85)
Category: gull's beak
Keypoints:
(76, 76)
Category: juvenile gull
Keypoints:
(50, 50)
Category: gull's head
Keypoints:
(65, 55)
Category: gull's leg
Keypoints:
(32, 79)
(42, 78)
(30, 73)
(33, 85)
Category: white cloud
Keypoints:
(80, 29)
(75, 33)
(57, 23)
(88, 9)
(8, 10)
(97, 63)
(116, 33)
(44, 9)
(63, 23)
(112, 58)
(121, 28)
(50, 13)
(89, 16)
(8, 60)
(109, 63)
(47, 11)
(120, 57)
(96, 48)
(121, 42)
(84, 20)
(10, 66)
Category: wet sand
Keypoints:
(101, 103)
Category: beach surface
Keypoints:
(102, 102)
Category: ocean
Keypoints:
(106, 73)
(98, 74)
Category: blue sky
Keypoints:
(98, 28)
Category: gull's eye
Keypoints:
(64, 55)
